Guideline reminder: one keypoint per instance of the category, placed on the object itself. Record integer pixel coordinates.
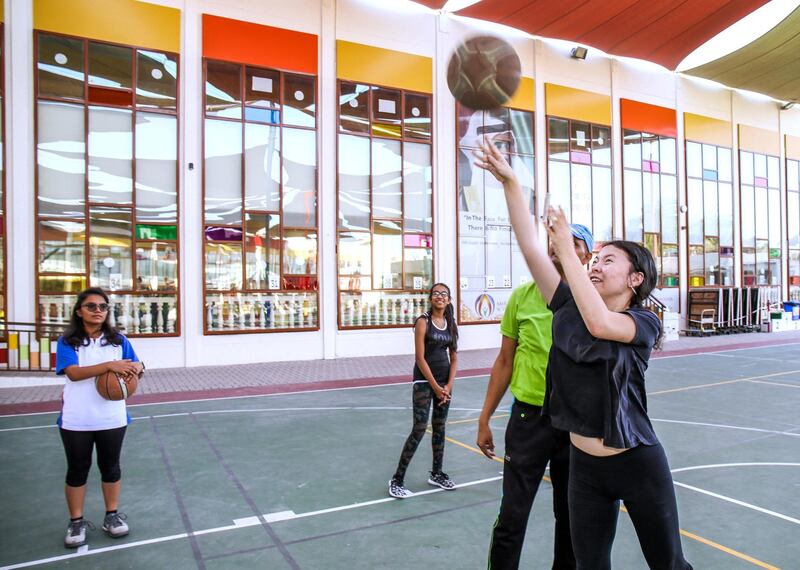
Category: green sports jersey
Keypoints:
(528, 321)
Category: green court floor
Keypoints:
(299, 480)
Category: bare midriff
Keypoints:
(593, 445)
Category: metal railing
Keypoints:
(28, 346)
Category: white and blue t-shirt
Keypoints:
(82, 408)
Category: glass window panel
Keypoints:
(712, 262)
(794, 266)
(669, 264)
(147, 232)
(760, 165)
(386, 112)
(522, 130)
(224, 266)
(157, 79)
(223, 90)
(748, 217)
(695, 210)
(299, 100)
(110, 66)
(110, 253)
(110, 156)
(417, 119)
(650, 147)
(632, 149)
(793, 175)
(62, 284)
(601, 145)
(469, 126)
(558, 185)
(669, 209)
(773, 172)
(579, 136)
(632, 180)
(602, 203)
(262, 163)
(726, 214)
(355, 261)
(354, 108)
(711, 208)
(299, 178)
(386, 179)
(725, 168)
(558, 139)
(62, 247)
(299, 252)
(709, 157)
(746, 168)
(354, 172)
(417, 188)
(495, 206)
(156, 167)
(61, 160)
(223, 172)
(60, 65)
(668, 162)
(524, 169)
(726, 271)
(470, 194)
(387, 255)
(694, 160)
(262, 89)
(793, 215)
(774, 218)
(498, 256)
(762, 214)
(156, 266)
(418, 268)
(581, 195)
(263, 251)
(696, 266)
(651, 202)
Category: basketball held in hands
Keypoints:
(483, 72)
(112, 386)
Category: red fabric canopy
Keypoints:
(661, 31)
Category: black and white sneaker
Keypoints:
(115, 526)
(76, 533)
(397, 490)
(442, 480)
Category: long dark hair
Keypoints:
(75, 334)
(449, 314)
(641, 262)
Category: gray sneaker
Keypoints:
(76, 533)
(115, 526)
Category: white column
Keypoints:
(20, 186)
(683, 219)
(737, 214)
(617, 231)
(540, 132)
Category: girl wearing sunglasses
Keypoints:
(90, 346)
(436, 343)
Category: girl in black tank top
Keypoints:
(436, 339)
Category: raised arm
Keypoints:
(524, 224)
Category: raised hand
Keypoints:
(489, 158)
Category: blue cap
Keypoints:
(583, 233)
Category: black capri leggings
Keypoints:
(78, 446)
(640, 478)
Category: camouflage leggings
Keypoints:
(422, 397)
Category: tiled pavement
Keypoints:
(265, 378)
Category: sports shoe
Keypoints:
(76, 533)
(115, 526)
(397, 490)
(442, 480)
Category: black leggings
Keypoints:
(422, 397)
(78, 446)
(641, 479)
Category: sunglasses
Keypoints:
(94, 307)
(441, 294)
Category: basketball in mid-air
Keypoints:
(483, 72)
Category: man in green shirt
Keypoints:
(530, 441)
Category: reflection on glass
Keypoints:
(632, 149)
(262, 163)
(651, 203)
(558, 185)
(299, 252)
(110, 237)
(746, 168)
(669, 208)
(110, 66)
(709, 157)
(223, 90)
(726, 214)
(579, 137)
(60, 67)
(62, 247)
(762, 214)
(668, 162)
(62, 283)
(724, 164)
(224, 266)
(60, 159)
(601, 145)
(110, 156)
(156, 266)
(558, 139)
(602, 204)
(156, 167)
(793, 215)
(299, 178)
(355, 265)
(773, 172)
(354, 108)
(498, 256)
(694, 160)
(354, 176)
(774, 218)
(669, 265)
(262, 95)
(417, 188)
(299, 98)
(748, 217)
(417, 119)
(418, 268)
(387, 201)
(522, 129)
(263, 243)
(695, 210)
(711, 208)
(581, 195)
(793, 174)
(387, 252)
(223, 172)
(249, 312)
(759, 165)
(386, 112)
(157, 79)
(632, 180)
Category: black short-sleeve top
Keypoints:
(437, 346)
(596, 387)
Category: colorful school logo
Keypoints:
(484, 306)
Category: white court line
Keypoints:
(242, 523)
(789, 433)
(720, 465)
(775, 384)
(740, 503)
